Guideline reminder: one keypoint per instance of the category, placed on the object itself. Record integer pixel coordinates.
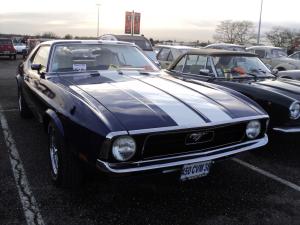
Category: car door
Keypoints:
(162, 57)
(33, 87)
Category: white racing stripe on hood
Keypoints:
(197, 101)
(179, 112)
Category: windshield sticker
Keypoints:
(79, 67)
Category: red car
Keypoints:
(7, 48)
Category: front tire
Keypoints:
(66, 169)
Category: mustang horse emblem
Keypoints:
(195, 138)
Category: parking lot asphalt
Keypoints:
(261, 187)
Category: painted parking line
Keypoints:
(267, 174)
(30, 208)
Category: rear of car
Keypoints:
(7, 48)
(168, 53)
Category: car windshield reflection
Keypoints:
(239, 66)
(90, 57)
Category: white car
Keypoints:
(20, 48)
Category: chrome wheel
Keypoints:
(53, 153)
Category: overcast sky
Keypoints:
(162, 19)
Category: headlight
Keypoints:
(253, 129)
(123, 148)
(295, 111)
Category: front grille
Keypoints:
(192, 140)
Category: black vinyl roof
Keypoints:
(218, 52)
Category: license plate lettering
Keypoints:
(192, 171)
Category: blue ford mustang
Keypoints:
(105, 103)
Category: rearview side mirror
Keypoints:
(36, 67)
(204, 72)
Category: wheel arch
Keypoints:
(51, 116)
(281, 68)
(286, 77)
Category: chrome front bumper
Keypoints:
(287, 129)
(177, 161)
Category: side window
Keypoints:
(163, 54)
(195, 63)
(41, 57)
(180, 65)
(260, 53)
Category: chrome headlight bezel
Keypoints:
(253, 129)
(123, 148)
(295, 106)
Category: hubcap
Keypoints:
(53, 153)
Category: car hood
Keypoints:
(287, 60)
(155, 101)
(285, 87)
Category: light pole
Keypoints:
(98, 7)
(259, 23)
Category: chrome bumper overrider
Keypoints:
(175, 161)
(287, 129)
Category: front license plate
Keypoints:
(6, 52)
(195, 170)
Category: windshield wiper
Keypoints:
(95, 74)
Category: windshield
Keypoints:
(237, 66)
(84, 57)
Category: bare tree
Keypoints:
(50, 35)
(68, 36)
(282, 37)
(239, 32)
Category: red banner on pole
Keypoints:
(128, 22)
(137, 23)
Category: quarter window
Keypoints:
(41, 57)
(163, 54)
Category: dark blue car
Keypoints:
(106, 104)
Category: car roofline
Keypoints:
(217, 52)
(58, 42)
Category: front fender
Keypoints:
(287, 66)
(19, 80)
(52, 116)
